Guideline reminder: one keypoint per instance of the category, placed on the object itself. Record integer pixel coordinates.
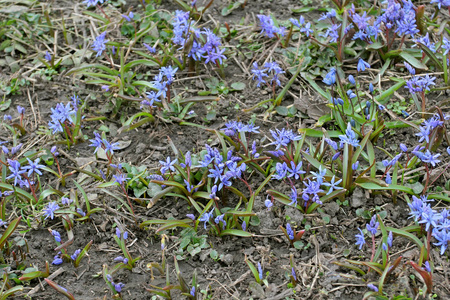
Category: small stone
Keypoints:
(227, 259)
(331, 207)
(357, 198)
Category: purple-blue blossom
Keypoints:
(49, 210)
(99, 44)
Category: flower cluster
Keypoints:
(161, 84)
(304, 27)
(61, 114)
(268, 27)
(270, 69)
(437, 222)
(205, 45)
(17, 170)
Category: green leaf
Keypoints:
(238, 86)
(282, 110)
(392, 187)
(412, 60)
(9, 230)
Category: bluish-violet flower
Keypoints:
(16, 171)
(319, 175)
(337, 101)
(187, 160)
(121, 259)
(167, 165)
(410, 69)
(441, 3)
(120, 234)
(259, 74)
(268, 27)
(360, 240)
(90, 3)
(427, 157)
(403, 147)
(294, 274)
(268, 203)
(332, 32)
(328, 15)
(66, 201)
(384, 246)
(372, 287)
(427, 267)
(110, 147)
(244, 226)
(295, 170)
(3, 223)
(149, 48)
(7, 118)
(289, 231)
(128, 17)
(274, 69)
(294, 196)
(49, 210)
(336, 156)
(75, 254)
(16, 149)
(428, 217)
(390, 239)
(283, 137)
(57, 260)
(215, 56)
(20, 110)
(281, 171)
(205, 217)
(388, 178)
(420, 83)
(48, 56)
(255, 154)
(118, 287)
(373, 225)
(445, 41)
(349, 138)
(355, 166)
(219, 219)
(351, 94)
(260, 271)
(330, 78)
(33, 167)
(443, 239)
(351, 79)
(60, 114)
(312, 190)
(120, 179)
(191, 216)
(362, 65)
(332, 144)
(333, 185)
(56, 235)
(192, 292)
(299, 23)
(99, 45)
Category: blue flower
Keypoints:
(99, 45)
(360, 240)
(362, 65)
(20, 110)
(49, 210)
(349, 138)
(128, 17)
(259, 74)
(205, 217)
(333, 185)
(75, 254)
(289, 231)
(150, 48)
(219, 219)
(56, 235)
(268, 27)
(90, 3)
(33, 167)
(260, 271)
(283, 137)
(48, 56)
(294, 196)
(295, 171)
(268, 203)
(118, 287)
(373, 225)
(120, 179)
(372, 287)
(330, 78)
(390, 239)
(281, 171)
(16, 171)
(167, 165)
